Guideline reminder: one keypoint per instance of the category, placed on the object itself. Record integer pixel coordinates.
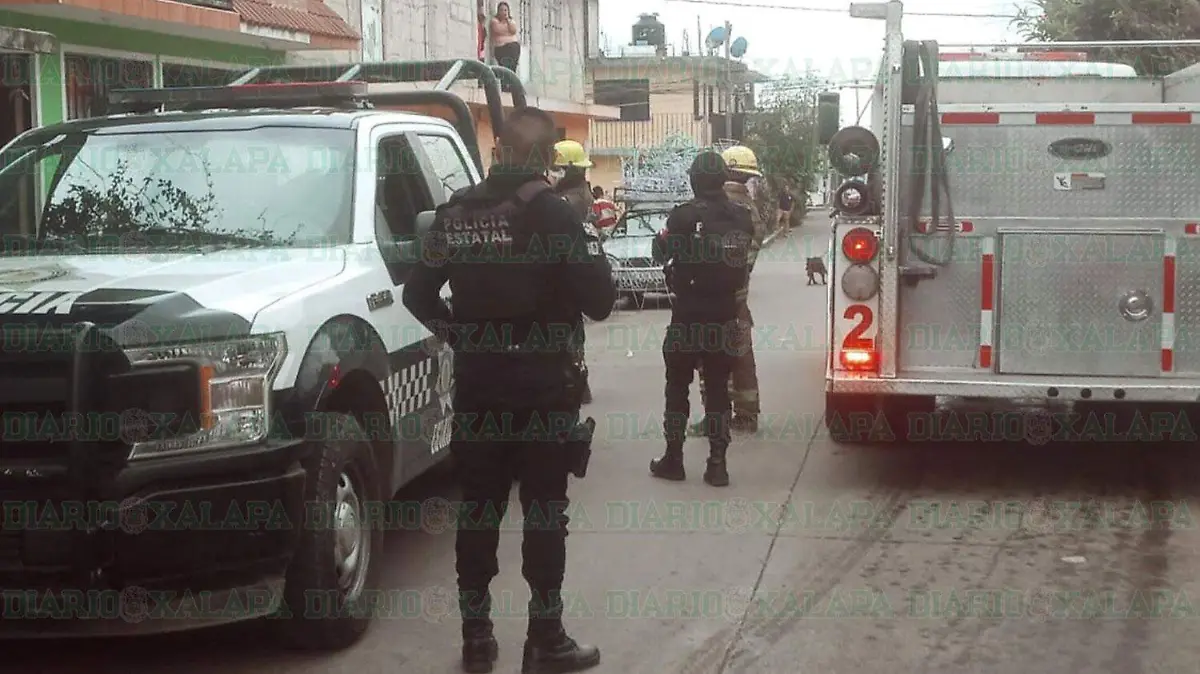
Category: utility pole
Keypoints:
(728, 82)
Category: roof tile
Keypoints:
(316, 19)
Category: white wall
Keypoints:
(411, 30)
(445, 29)
(551, 66)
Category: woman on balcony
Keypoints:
(505, 47)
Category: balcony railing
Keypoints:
(623, 138)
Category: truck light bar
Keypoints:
(350, 95)
(1014, 56)
(343, 86)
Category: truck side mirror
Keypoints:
(829, 116)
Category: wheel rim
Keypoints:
(352, 540)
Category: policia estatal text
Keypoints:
(525, 283)
(705, 250)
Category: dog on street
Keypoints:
(814, 267)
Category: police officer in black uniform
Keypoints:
(521, 269)
(705, 248)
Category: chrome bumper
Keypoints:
(1048, 388)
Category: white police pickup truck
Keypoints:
(210, 391)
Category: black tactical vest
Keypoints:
(497, 266)
(712, 264)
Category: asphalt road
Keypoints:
(942, 558)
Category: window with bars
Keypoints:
(524, 19)
(554, 25)
(90, 78)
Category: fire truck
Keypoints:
(1016, 228)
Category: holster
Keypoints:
(578, 445)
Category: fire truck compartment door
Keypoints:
(1080, 303)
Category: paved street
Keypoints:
(944, 558)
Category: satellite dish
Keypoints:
(716, 37)
(738, 49)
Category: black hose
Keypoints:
(929, 157)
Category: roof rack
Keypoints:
(347, 86)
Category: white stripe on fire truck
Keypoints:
(1168, 309)
(1071, 118)
(987, 297)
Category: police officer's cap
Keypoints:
(708, 163)
(708, 171)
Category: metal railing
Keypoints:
(614, 137)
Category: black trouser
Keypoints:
(508, 55)
(578, 342)
(688, 345)
(487, 464)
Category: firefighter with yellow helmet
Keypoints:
(568, 175)
(741, 189)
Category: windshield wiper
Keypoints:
(193, 239)
(36, 244)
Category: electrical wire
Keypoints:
(832, 10)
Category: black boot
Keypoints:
(744, 423)
(548, 649)
(480, 649)
(717, 474)
(559, 654)
(669, 466)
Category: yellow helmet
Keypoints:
(570, 153)
(741, 158)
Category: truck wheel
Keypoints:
(329, 598)
(862, 418)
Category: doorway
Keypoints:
(16, 95)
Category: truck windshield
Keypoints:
(99, 191)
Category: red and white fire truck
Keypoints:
(1025, 226)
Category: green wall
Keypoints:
(50, 95)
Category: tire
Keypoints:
(319, 617)
(861, 418)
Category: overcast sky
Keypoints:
(786, 40)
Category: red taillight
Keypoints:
(860, 245)
(859, 359)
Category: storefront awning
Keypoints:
(19, 39)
